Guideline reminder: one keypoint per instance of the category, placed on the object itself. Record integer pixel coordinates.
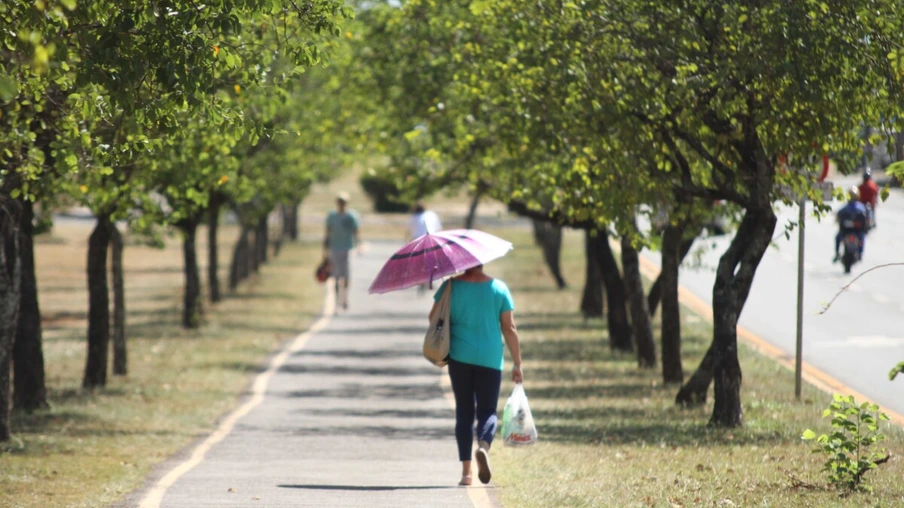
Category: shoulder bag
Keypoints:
(436, 341)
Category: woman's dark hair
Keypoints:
(418, 208)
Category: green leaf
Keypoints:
(808, 435)
(8, 88)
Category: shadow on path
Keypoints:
(374, 488)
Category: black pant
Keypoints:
(476, 391)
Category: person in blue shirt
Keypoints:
(341, 237)
(481, 316)
(852, 218)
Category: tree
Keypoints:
(700, 100)
(10, 281)
(549, 238)
(33, 163)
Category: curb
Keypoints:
(816, 377)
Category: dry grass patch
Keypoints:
(92, 448)
(610, 434)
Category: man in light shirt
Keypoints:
(423, 221)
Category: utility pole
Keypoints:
(798, 359)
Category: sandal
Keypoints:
(465, 480)
(483, 466)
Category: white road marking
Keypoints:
(864, 341)
(154, 496)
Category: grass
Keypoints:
(610, 434)
(90, 449)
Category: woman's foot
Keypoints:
(483, 465)
(465, 480)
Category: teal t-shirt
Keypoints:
(342, 228)
(476, 335)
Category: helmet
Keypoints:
(867, 173)
(854, 192)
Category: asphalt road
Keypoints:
(861, 337)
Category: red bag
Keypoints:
(324, 270)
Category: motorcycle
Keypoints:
(852, 243)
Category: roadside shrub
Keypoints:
(852, 449)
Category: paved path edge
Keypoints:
(164, 475)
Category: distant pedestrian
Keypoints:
(481, 316)
(341, 237)
(422, 221)
(869, 194)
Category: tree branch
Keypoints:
(847, 286)
(552, 216)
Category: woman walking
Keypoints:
(481, 315)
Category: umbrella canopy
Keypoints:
(437, 255)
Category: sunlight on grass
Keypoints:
(611, 435)
(91, 449)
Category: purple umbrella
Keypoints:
(437, 255)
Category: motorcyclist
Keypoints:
(852, 218)
(869, 194)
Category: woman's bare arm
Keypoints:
(510, 332)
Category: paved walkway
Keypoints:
(355, 418)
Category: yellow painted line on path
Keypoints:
(154, 496)
(816, 377)
(479, 494)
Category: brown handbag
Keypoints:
(436, 341)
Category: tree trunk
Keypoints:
(617, 301)
(191, 307)
(10, 285)
(262, 239)
(734, 277)
(472, 210)
(693, 393)
(549, 237)
(120, 357)
(655, 294)
(281, 235)
(30, 391)
(213, 262)
(592, 299)
(640, 313)
(254, 261)
(239, 268)
(672, 370)
(98, 305)
(290, 220)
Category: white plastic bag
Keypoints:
(518, 427)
